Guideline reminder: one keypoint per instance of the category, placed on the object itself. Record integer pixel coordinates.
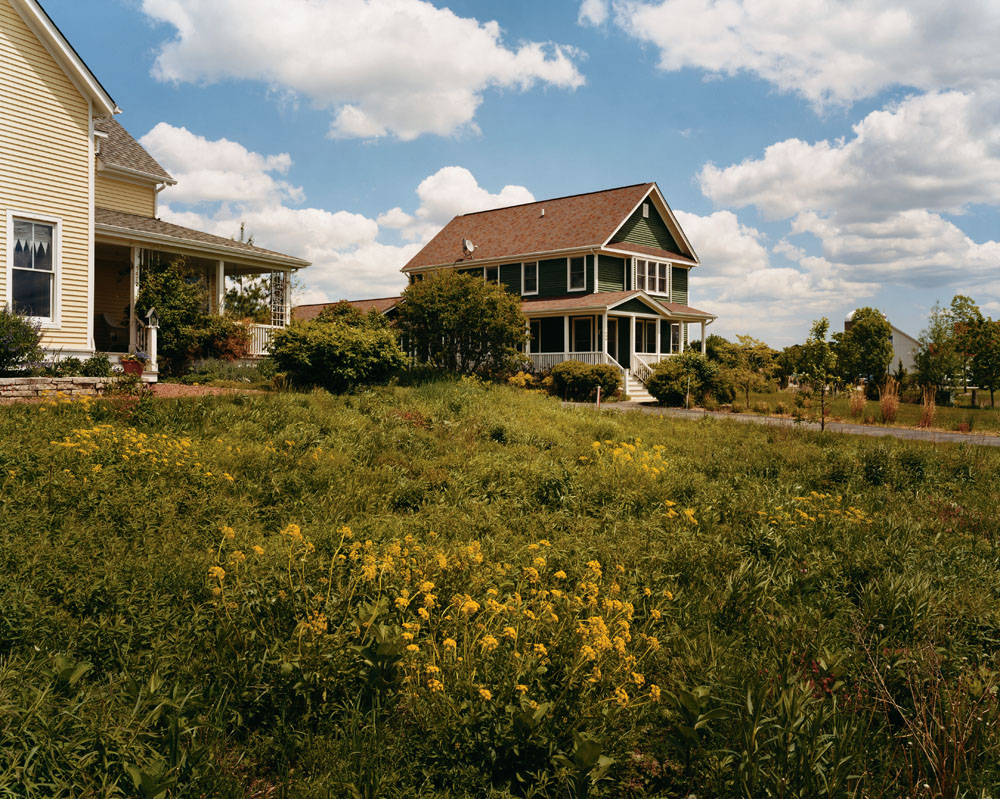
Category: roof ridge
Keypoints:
(554, 199)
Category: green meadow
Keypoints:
(458, 590)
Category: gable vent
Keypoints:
(645, 210)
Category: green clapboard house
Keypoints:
(603, 276)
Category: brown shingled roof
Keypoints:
(106, 220)
(121, 150)
(604, 299)
(652, 252)
(306, 313)
(582, 220)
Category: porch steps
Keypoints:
(636, 389)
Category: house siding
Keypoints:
(610, 273)
(510, 277)
(652, 232)
(552, 277)
(45, 168)
(679, 285)
(634, 306)
(118, 195)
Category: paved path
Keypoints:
(913, 434)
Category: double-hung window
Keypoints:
(663, 277)
(34, 263)
(529, 278)
(577, 279)
(492, 274)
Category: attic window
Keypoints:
(645, 210)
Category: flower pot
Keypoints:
(132, 367)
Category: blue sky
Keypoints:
(821, 155)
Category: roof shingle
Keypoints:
(106, 218)
(603, 299)
(306, 313)
(582, 220)
(120, 149)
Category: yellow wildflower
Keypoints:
(450, 643)
(621, 696)
(258, 549)
(540, 650)
(510, 632)
(489, 643)
(469, 606)
(412, 648)
(228, 533)
(423, 613)
(435, 685)
(426, 587)
(217, 572)
(521, 688)
(654, 692)
(293, 531)
(485, 695)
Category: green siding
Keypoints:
(652, 232)
(679, 285)
(552, 277)
(510, 277)
(634, 306)
(551, 334)
(610, 274)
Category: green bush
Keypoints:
(219, 337)
(335, 355)
(689, 375)
(19, 342)
(577, 381)
(97, 365)
(69, 367)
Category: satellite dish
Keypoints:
(468, 247)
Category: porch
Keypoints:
(630, 342)
(118, 329)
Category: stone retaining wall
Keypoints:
(35, 387)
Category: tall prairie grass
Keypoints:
(888, 400)
(458, 590)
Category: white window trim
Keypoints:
(524, 291)
(55, 321)
(569, 273)
(497, 267)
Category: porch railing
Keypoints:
(541, 361)
(260, 339)
(641, 370)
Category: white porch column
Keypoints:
(683, 330)
(133, 295)
(566, 337)
(287, 288)
(604, 334)
(595, 274)
(659, 333)
(704, 345)
(151, 346)
(631, 343)
(220, 287)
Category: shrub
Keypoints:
(928, 407)
(888, 400)
(578, 382)
(736, 407)
(688, 375)
(857, 399)
(780, 408)
(762, 407)
(219, 337)
(19, 342)
(97, 365)
(336, 356)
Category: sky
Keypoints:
(821, 155)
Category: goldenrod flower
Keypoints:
(510, 632)
(228, 532)
(489, 643)
(540, 650)
(423, 613)
(293, 531)
(655, 614)
(450, 643)
(412, 648)
(426, 587)
(217, 572)
(485, 695)
(621, 696)
(654, 692)
(258, 549)
(469, 606)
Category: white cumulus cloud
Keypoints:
(222, 185)
(828, 51)
(393, 67)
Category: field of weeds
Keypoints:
(460, 590)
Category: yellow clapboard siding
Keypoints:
(121, 196)
(45, 165)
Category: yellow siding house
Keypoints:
(78, 205)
